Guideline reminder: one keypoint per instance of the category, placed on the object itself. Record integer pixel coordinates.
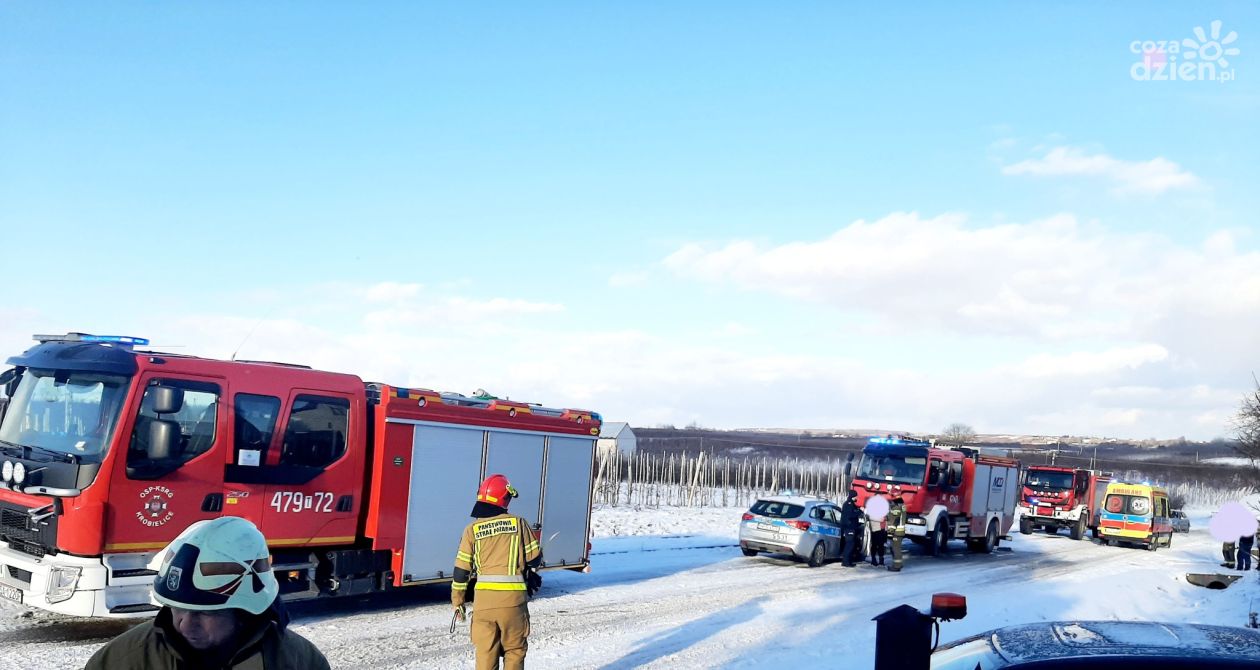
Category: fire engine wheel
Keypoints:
(818, 555)
(748, 552)
(991, 539)
(940, 537)
(1025, 526)
(1078, 528)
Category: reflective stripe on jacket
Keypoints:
(497, 549)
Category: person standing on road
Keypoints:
(879, 539)
(1244, 552)
(896, 530)
(220, 609)
(850, 524)
(1228, 551)
(500, 553)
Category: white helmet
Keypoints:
(216, 564)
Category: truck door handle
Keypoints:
(345, 504)
(212, 503)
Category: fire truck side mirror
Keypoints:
(166, 399)
(936, 469)
(848, 466)
(163, 436)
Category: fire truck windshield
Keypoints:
(67, 412)
(892, 468)
(1048, 480)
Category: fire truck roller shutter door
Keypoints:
(445, 472)
(567, 499)
(519, 456)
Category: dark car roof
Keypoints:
(1062, 640)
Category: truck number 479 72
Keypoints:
(296, 501)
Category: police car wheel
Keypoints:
(818, 555)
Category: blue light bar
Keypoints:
(902, 441)
(116, 339)
(125, 340)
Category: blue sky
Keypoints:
(733, 214)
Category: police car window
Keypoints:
(256, 417)
(196, 419)
(778, 510)
(316, 433)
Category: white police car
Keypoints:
(806, 527)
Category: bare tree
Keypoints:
(957, 433)
(1247, 424)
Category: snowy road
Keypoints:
(693, 601)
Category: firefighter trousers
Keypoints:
(501, 632)
(895, 541)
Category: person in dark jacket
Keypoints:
(1244, 552)
(850, 528)
(220, 609)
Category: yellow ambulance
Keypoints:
(1136, 514)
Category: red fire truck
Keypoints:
(1055, 497)
(109, 452)
(949, 493)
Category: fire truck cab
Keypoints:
(949, 493)
(108, 453)
(1056, 497)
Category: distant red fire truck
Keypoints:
(950, 493)
(1056, 497)
(108, 452)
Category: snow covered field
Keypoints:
(669, 588)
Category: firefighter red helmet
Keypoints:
(496, 490)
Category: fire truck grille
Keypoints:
(16, 528)
(20, 574)
(14, 520)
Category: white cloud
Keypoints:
(1080, 363)
(1053, 279)
(391, 291)
(1153, 176)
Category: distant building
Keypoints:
(615, 436)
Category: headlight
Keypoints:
(916, 521)
(19, 473)
(6, 471)
(61, 583)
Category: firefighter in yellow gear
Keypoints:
(498, 554)
(896, 530)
